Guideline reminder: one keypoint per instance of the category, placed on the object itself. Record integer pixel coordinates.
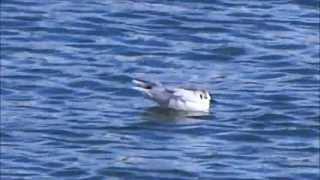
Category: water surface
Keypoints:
(68, 112)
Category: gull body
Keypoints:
(175, 98)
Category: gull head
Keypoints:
(203, 96)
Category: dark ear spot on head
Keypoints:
(204, 94)
(200, 96)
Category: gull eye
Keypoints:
(200, 96)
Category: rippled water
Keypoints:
(68, 112)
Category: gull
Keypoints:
(175, 98)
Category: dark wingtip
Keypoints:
(142, 83)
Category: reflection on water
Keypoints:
(166, 114)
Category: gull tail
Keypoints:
(143, 86)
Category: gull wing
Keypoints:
(184, 94)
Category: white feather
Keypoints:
(178, 98)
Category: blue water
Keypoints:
(68, 110)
